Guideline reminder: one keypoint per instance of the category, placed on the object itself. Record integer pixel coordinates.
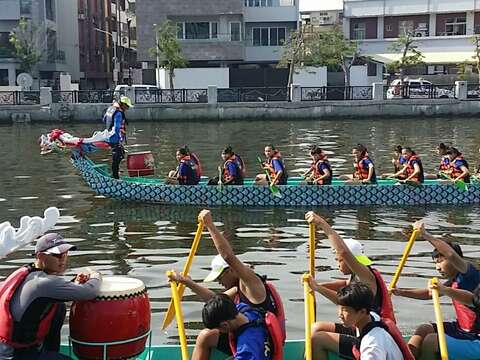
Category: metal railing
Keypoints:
(424, 91)
(19, 97)
(251, 94)
(336, 93)
(171, 96)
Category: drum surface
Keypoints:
(140, 163)
(120, 312)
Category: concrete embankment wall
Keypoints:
(249, 111)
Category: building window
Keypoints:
(274, 36)
(50, 9)
(405, 27)
(456, 26)
(4, 77)
(197, 30)
(371, 69)
(235, 31)
(388, 28)
(359, 31)
(258, 3)
(5, 47)
(25, 7)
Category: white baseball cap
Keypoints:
(218, 265)
(356, 248)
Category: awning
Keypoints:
(429, 57)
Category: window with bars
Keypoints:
(359, 31)
(268, 36)
(456, 26)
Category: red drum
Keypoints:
(120, 312)
(140, 163)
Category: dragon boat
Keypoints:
(294, 194)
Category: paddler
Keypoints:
(116, 121)
(320, 172)
(413, 169)
(186, 172)
(275, 166)
(364, 169)
(351, 260)
(241, 284)
(32, 302)
(458, 166)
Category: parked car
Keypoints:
(417, 89)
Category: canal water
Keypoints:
(145, 241)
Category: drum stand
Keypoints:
(105, 345)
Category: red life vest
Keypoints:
(275, 335)
(276, 156)
(411, 169)
(360, 172)
(317, 173)
(187, 160)
(198, 164)
(444, 164)
(386, 308)
(7, 323)
(455, 171)
(466, 317)
(390, 327)
(238, 162)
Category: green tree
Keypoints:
(168, 49)
(25, 39)
(476, 57)
(295, 53)
(410, 55)
(331, 48)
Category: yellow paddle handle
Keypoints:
(170, 314)
(311, 241)
(308, 317)
(179, 317)
(439, 320)
(400, 266)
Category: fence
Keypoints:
(171, 96)
(419, 90)
(83, 96)
(248, 94)
(336, 93)
(19, 97)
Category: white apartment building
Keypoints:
(58, 38)
(442, 29)
(321, 14)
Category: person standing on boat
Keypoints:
(186, 172)
(335, 337)
(462, 334)
(116, 121)
(320, 172)
(458, 166)
(275, 166)
(413, 169)
(248, 335)
(32, 302)
(241, 284)
(364, 169)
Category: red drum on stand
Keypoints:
(140, 163)
(120, 312)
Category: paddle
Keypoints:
(273, 188)
(460, 184)
(181, 288)
(406, 252)
(308, 317)
(439, 321)
(179, 317)
(407, 182)
(311, 238)
(220, 183)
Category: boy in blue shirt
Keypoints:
(245, 325)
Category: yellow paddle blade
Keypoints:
(400, 266)
(170, 314)
(439, 320)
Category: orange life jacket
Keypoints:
(390, 327)
(411, 169)
(444, 164)
(361, 172)
(456, 171)
(317, 173)
(238, 163)
(271, 170)
(7, 323)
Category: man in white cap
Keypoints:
(242, 284)
(351, 260)
(116, 121)
(32, 307)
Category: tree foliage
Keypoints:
(168, 49)
(410, 55)
(476, 53)
(25, 39)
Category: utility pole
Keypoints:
(157, 69)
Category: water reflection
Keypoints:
(146, 240)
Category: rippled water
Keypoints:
(146, 240)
